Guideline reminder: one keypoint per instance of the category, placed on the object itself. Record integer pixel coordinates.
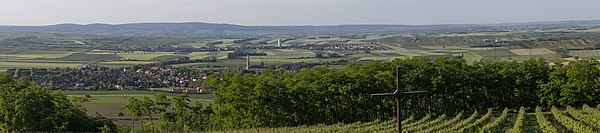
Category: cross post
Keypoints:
(398, 94)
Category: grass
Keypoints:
(91, 57)
(122, 63)
(220, 63)
(288, 53)
(145, 56)
(43, 54)
(411, 51)
(38, 64)
(168, 57)
(111, 103)
(194, 45)
(585, 53)
(477, 34)
(198, 55)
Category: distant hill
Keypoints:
(229, 30)
(194, 29)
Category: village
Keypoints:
(179, 80)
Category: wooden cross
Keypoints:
(398, 94)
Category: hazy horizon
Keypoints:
(294, 12)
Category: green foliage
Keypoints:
(494, 125)
(518, 127)
(409, 119)
(25, 106)
(589, 119)
(389, 125)
(591, 111)
(545, 125)
(445, 124)
(574, 84)
(323, 95)
(463, 123)
(426, 125)
(474, 127)
(105, 129)
(416, 123)
(175, 114)
(570, 123)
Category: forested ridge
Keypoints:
(323, 95)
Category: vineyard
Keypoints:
(570, 119)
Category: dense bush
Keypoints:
(25, 106)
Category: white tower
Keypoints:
(279, 42)
(247, 62)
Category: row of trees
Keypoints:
(175, 114)
(323, 95)
(25, 106)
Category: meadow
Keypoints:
(111, 103)
(585, 53)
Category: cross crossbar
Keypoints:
(380, 95)
(413, 93)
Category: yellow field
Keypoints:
(536, 51)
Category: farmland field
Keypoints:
(288, 53)
(38, 64)
(585, 53)
(535, 51)
(110, 103)
(491, 121)
(386, 47)
(91, 57)
(139, 55)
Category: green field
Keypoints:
(91, 57)
(111, 103)
(8, 64)
(288, 53)
(145, 56)
(585, 53)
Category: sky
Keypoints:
(295, 12)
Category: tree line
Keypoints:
(324, 95)
(176, 114)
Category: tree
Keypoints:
(582, 84)
(181, 103)
(25, 107)
(133, 108)
(148, 109)
(163, 104)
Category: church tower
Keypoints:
(279, 42)
(247, 62)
